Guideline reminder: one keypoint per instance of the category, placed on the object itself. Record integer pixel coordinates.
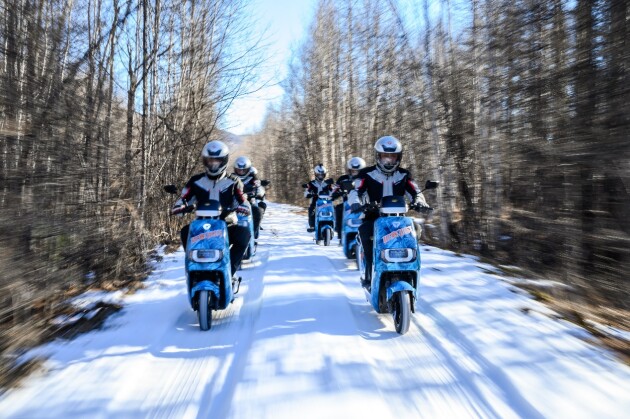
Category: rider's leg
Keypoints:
(339, 218)
(366, 230)
(256, 214)
(311, 216)
(183, 234)
(239, 240)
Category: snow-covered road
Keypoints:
(301, 341)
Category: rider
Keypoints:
(251, 187)
(314, 188)
(262, 193)
(385, 178)
(353, 167)
(215, 184)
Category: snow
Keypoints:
(301, 341)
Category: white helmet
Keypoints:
(354, 165)
(215, 157)
(388, 153)
(320, 172)
(242, 166)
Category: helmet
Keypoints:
(320, 172)
(242, 166)
(354, 165)
(388, 154)
(215, 157)
(253, 171)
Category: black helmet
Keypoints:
(215, 157)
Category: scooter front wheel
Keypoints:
(204, 313)
(327, 236)
(401, 311)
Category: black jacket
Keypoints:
(376, 184)
(252, 187)
(227, 189)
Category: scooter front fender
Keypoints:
(205, 285)
(399, 286)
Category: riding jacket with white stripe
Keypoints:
(227, 189)
(378, 184)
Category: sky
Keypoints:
(286, 22)
(301, 341)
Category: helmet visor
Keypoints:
(354, 172)
(213, 164)
(241, 172)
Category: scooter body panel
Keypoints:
(205, 268)
(349, 230)
(324, 217)
(395, 256)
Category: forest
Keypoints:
(520, 109)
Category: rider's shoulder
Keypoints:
(342, 178)
(366, 170)
(234, 178)
(196, 177)
(404, 171)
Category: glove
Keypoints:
(182, 209)
(356, 207)
(421, 207)
(243, 210)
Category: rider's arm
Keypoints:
(355, 196)
(186, 199)
(308, 191)
(416, 195)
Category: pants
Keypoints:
(366, 231)
(311, 214)
(339, 218)
(257, 212)
(238, 236)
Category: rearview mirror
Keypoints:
(172, 189)
(304, 185)
(431, 184)
(347, 185)
(265, 182)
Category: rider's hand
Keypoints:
(421, 207)
(180, 210)
(243, 210)
(356, 207)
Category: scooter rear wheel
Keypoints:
(401, 311)
(204, 313)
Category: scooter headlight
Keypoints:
(243, 223)
(354, 222)
(206, 255)
(398, 255)
(325, 214)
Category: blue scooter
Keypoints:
(324, 219)
(349, 231)
(396, 267)
(350, 222)
(207, 263)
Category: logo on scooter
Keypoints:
(397, 233)
(396, 224)
(207, 226)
